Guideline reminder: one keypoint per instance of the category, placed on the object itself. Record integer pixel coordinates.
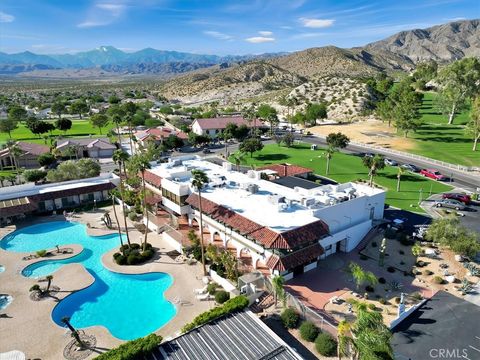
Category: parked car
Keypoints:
(207, 151)
(464, 198)
(390, 162)
(450, 203)
(432, 174)
(411, 167)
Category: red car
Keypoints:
(464, 198)
(432, 174)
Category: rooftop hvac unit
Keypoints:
(276, 199)
(308, 201)
(251, 174)
(282, 207)
(227, 166)
(252, 188)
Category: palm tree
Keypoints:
(366, 338)
(399, 177)
(279, 292)
(2, 179)
(66, 321)
(250, 115)
(120, 157)
(361, 276)
(118, 223)
(49, 279)
(199, 179)
(141, 163)
(373, 164)
(238, 158)
(15, 152)
(328, 154)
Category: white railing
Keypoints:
(465, 169)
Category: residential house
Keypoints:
(286, 230)
(213, 127)
(157, 135)
(28, 158)
(95, 148)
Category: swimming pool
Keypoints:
(129, 306)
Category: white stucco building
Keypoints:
(285, 229)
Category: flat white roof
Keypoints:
(264, 202)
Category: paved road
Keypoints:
(467, 181)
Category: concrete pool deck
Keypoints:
(27, 325)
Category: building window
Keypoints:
(177, 199)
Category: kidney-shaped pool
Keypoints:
(129, 306)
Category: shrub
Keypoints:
(147, 254)
(382, 301)
(290, 318)
(391, 269)
(121, 260)
(437, 280)
(132, 350)
(212, 288)
(133, 259)
(428, 272)
(371, 306)
(369, 288)
(132, 216)
(34, 175)
(420, 263)
(397, 300)
(308, 331)
(222, 296)
(381, 280)
(233, 305)
(326, 345)
(41, 253)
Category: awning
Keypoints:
(297, 258)
(17, 206)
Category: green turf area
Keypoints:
(344, 168)
(438, 140)
(79, 128)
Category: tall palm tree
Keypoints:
(120, 157)
(250, 115)
(328, 154)
(279, 292)
(75, 334)
(373, 164)
(15, 152)
(49, 279)
(199, 179)
(399, 177)
(238, 158)
(140, 163)
(118, 223)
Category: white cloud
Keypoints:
(260, 39)
(6, 18)
(316, 23)
(218, 35)
(265, 33)
(102, 14)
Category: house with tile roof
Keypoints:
(213, 127)
(94, 148)
(157, 135)
(281, 229)
(28, 159)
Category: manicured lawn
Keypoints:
(79, 128)
(344, 168)
(438, 140)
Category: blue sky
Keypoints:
(214, 27)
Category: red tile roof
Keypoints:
(287, 169)
(160, 133)
(153, 179)
(153, 199)
(270, 239)
(221, 122)
(294, 259)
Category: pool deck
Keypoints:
(27, 325)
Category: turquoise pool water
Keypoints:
(129, 306)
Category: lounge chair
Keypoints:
(201, 291)
(204, 297)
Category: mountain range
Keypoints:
(442, 43)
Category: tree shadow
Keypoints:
(406, 177)
(271, 157)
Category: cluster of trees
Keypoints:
(71, 170)
(401, 105)
(449, 232)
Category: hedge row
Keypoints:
(133, 350)
(233, 305)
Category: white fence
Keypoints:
(465, 169)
